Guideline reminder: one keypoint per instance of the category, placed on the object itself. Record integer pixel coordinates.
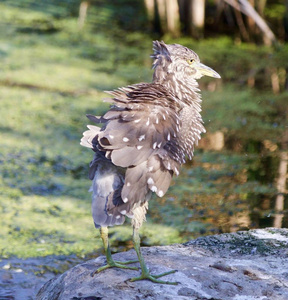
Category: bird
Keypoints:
(141, 142)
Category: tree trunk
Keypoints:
(162, 15)
(275, 81)
(197, 18)
(285, 21)
(281, 188)
(241, 25)
(261, 6)
(281, 181)
(150, 8)
(82, 13)
(169, 16)
(251, 21)
(173, 17)
(245, 7)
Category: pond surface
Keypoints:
(20, 279)
(221, 192)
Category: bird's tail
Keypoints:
(106, 192)
(89, 135)
(107, 184)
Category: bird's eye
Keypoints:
(191, 61)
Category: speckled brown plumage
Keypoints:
(146, 135)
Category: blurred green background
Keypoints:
(57, 58)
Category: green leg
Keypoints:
(110, 261)
(145, 272)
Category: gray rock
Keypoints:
(240, 266)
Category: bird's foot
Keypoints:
(154, 278)
(116, 264)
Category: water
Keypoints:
(221, 192)
(20, 279)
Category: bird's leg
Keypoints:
(145, 272)
(110, 261)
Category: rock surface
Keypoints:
(239, 266)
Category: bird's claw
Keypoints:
(127, 262)
(116, 264)
(154, 278)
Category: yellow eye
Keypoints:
(191, 61)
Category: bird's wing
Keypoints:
(189, 135)
(141, 121)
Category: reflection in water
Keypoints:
(223, 192)
(281, 188)
(278, 220)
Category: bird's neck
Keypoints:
(184, 89)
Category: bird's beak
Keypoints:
(206, 71)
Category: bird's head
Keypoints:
(178, 61)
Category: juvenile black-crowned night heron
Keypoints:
(146, 135)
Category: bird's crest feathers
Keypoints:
(161, 53)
